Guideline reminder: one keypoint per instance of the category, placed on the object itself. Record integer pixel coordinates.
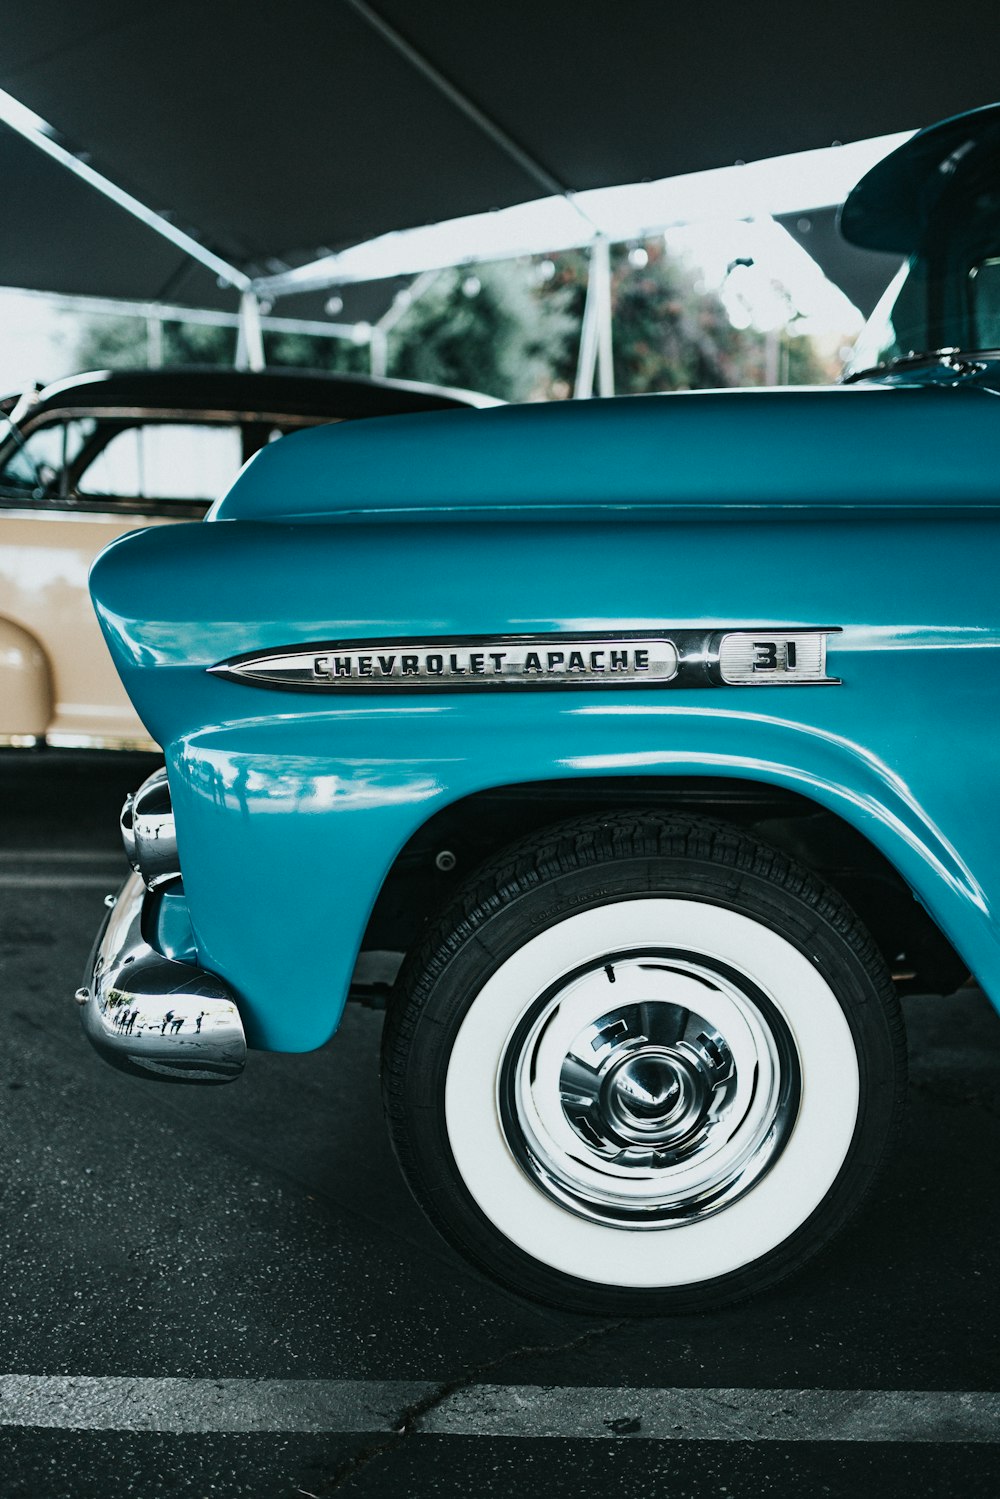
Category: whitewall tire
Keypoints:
(644, 1064)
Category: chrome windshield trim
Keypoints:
(954, 358)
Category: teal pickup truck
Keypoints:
(656, 735)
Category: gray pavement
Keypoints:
(172, 1259)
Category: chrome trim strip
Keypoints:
(136, 742)
(152, 1017)
(122, 743)
(754, 656)
(199, 415)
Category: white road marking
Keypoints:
(363, 1406)
(203, 1405)
(105, 882)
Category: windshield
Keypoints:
(887, 334)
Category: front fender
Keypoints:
(280, 902)
(25, 684)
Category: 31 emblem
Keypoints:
(756, 658)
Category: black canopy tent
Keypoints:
(274, 135)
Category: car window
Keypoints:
(165, 461)
(38, 463)
(984, 300)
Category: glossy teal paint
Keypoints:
(292, 807)
(697, 452)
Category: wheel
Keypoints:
(643, 1064)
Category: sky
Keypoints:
(37, 342)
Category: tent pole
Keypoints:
(250, 340)
(378, 351)
(587, 356)
(528, 163)
(36, 130)
(605, 361)
(154, 341)
(595, 357)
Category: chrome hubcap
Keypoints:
(631, 1094)
(649, 1090)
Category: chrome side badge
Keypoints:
(682, 658)
(442, 665)
(758, 658)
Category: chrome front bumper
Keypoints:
(152, 1016)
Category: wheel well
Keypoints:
(455, 842)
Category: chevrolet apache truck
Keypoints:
(656, 734)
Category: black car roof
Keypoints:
(892, 205)
(295, 392)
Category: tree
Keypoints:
(670, 333)
(488, 330)
(122, 343)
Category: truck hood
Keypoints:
(876, 447)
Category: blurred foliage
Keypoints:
(512, 329)
(487, 330)
(302, 352)
(122, 343)
(670, 333)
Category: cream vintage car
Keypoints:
(89, 458)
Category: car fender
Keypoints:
(274, 895)
(25, 684)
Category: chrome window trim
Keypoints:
(198, 414)
(98, 508)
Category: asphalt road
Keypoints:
(228, 1291)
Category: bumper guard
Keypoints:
(154, 1017)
